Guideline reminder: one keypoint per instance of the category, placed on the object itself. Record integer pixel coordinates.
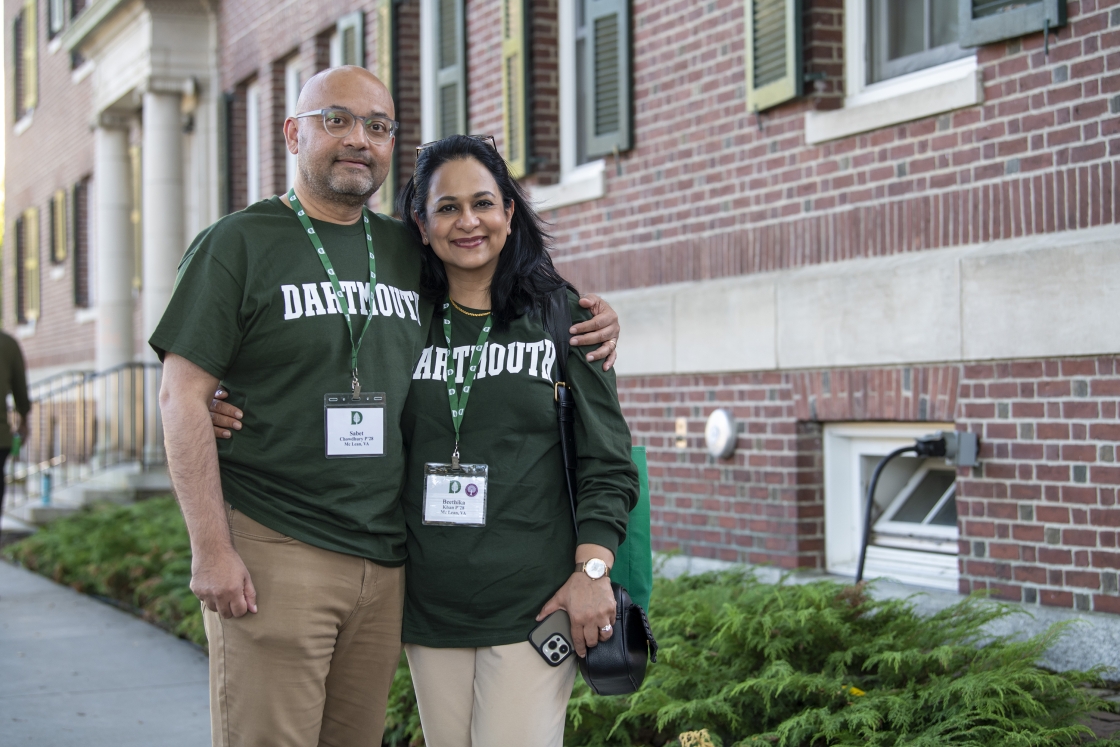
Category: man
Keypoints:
(13, 381)
(307, 309)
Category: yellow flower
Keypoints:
(696, 739)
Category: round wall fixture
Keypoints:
(720, 434)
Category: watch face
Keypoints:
(595, 568)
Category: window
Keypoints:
(59, 234)
(595, 98)
(351, 39)
(910, 36)
(137, 216)
(79, 202)
(914, 523)
(443, 87)
(293, 84)
(27, 266)
(385, 69)
(25, 61)
(252, 143)
(56, 17)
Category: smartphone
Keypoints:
(552, 638)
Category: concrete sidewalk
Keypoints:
(78, 673)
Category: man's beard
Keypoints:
(350, 190)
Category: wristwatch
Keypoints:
(594, 568)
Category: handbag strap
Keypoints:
(557, 322)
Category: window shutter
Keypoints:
(607, 86)
(386, 11)
(351, 39)
(59, 234)
(987, 21)
(451, 78)
(79, 209)
(515, 76)
(774, 73)
(31, 264)
(30, 57)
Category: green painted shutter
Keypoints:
(386, 14)
(451, 69)
(607, 87)
(30, 57)
(987, 21)
(31, 264)
(351, 39)
(774, 70)
(515, 75)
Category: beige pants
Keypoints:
(312, 668)
(498, 696)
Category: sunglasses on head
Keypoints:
(489, 139)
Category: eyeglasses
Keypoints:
(489, 139)
(340, 123)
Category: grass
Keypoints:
(748, 663)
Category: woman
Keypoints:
(484, 566)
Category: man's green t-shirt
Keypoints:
(483, 586)
(254, 307)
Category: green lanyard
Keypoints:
(459, 401)
(315, 242)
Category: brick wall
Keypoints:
(1039, 519)
(706, 193)
(34, 169)
(1039, 516)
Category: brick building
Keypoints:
(847, 222)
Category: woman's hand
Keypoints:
(590, 605)
(602, 328)
(588, 602)
(224, 416)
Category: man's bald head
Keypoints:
(343, 170)
(347, 83)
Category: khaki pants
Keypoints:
(497, 696)
(312, 668)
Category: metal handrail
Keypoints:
(83, 423)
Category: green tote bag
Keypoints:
(633, 563)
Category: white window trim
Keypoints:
(577, 183)
(252, 143)
(428, 124)
(292, 70)
(81, 72)
(24, 123)
(925, 93)
(844, 444)
(334, 45)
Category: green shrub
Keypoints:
(753, 663)
(823, 664)
(138, 555)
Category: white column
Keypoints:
(113, 178)
(162, 205)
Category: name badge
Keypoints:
(355, 426)
(455, 497)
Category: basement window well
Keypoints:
(914, 523)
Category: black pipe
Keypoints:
(871, 502)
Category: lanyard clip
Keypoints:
(355, 385)
(455, 457)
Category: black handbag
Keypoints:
(617, 665)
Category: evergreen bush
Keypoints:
(741, 662)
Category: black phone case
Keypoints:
(552, 638)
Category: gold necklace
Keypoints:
(461, 310)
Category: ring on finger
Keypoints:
(607, 628)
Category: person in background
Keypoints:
(13, 381)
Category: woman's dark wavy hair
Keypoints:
(524, 276)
